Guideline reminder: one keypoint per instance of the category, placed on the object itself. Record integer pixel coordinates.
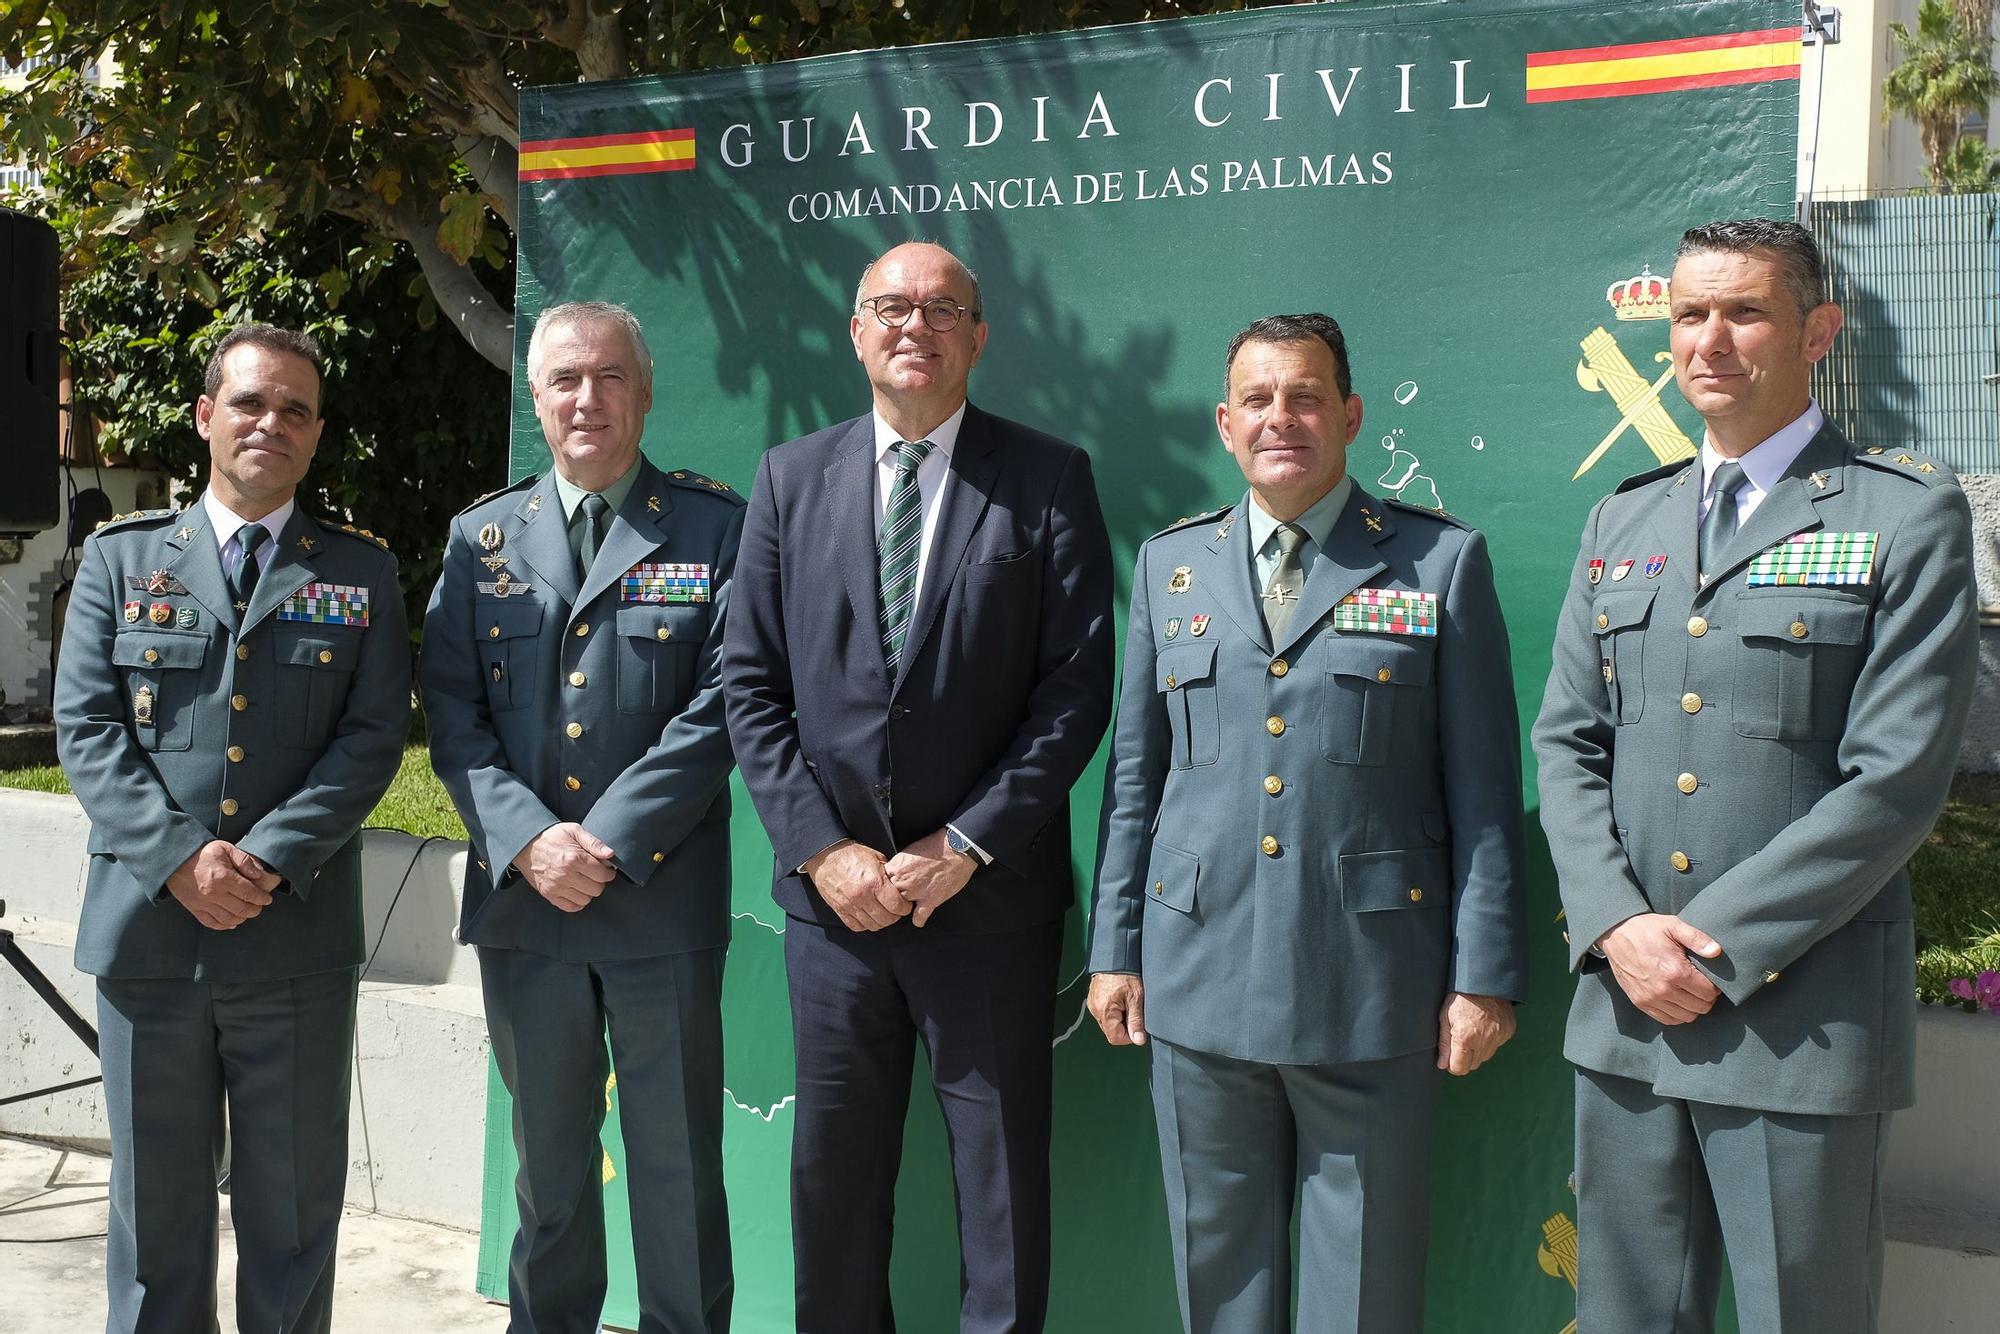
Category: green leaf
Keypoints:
(464, 223)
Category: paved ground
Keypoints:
(395, 1275)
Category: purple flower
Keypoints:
(1960, 987)
(1986, 988)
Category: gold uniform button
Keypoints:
(239, 702)
(1416, 894)
(582, 629)
(663, 633)
(1799, 630)
(493, 632)
(1603, 621)
(573, 731)
(242, 652)
(1772, 976)
(1687, 783)
(152, 655)
(1679, 861)
(1697, 626)
(1172, 680)
(577, 678)
(229, 806)
(325, 655)
(1690, 703)
(1159, 886)
(235, 754)
(1383, 674)
(1269, 845)
(1279, 666)
(572, 783)
(1274, 785)
(1274, 725)
(659, 856)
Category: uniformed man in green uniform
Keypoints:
(1309, 895)
(571, 679)
(232, 701)
(1761, 671)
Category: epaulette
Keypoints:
(133, 517)
(694, 481)
(1659, 474)
(362, 533)
(1428, 512)
(1189, 520)
(516, 486)
(1907, 463)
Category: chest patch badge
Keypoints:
(1815, 558)
(1387, 611)
(327, 604)
(664, 583)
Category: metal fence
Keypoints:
(1919, 360)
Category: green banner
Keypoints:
(1481, 194)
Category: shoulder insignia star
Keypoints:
(1905, 459)
(1926, 467)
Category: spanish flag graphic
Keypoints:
(607, 155)
(1664, 67)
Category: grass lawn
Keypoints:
(1956, 873)
(415, 802)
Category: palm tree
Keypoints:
(1946, 72)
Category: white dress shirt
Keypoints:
(932, 475)
(224, 523)
(1763, 466)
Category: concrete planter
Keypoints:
(1943, 1181)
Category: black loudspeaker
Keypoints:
(30, 430)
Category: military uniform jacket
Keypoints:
(1307, 844)
(600, 703)
(176, 728)
(1761, 757)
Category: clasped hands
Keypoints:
(1648, 954)
(868, 891)
(222, 885)
(567, 865)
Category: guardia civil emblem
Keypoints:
(1606, 369)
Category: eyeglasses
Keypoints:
(940, 314)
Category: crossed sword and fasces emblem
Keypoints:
(1605, 369)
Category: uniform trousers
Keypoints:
(1241, 1140)
(984, 1007)
(1664, 1185)
(271, 1060)
(548, 1018)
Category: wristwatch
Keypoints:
(961, 845)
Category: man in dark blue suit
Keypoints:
(917, 667)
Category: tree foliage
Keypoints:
(235, 118)
(416, 421)
(1944, 73)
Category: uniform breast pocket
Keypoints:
(161, 672)
(509, 635)
(1376, 686)
(1186, 681)
(1619, 622)
(657, 649)
(1795, 668)
(316, 666)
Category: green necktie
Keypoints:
(596, 515)
(243, 579)
(1288, 580)
(899, 546)
(1719, 524)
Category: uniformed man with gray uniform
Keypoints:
(232, 701)
(1309, 893)
(1760, 675)
(571, 680)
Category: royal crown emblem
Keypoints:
(1642, 297)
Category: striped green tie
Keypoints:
(900, 545)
